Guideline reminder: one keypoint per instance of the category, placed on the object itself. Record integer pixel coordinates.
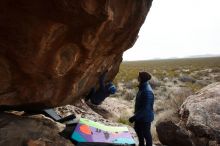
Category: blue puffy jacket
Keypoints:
(98, 96)
(144, 104)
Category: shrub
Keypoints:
(129, 94)
(172, 74)
(178, 97)
(216, 70)
(154, 82)
(185, 78)
(159, 106)
(173, 102)
(217, 78)
(124, 118)
(124, 121)
(194, 86)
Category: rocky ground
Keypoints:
(36, 129)
(171, 90)
(183, 116)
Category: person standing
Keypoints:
(143, 113)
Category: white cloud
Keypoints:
(178, 28)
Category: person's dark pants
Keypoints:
(143, 132)
(90, 94)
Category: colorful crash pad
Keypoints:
(90, 131)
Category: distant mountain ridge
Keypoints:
(203, 56)
(173, 58)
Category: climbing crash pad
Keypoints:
(89, 132)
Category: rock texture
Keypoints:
(172, 135)
(19, 131)
(199, 123)
(22, 129)
(201, 113)
(52, 52)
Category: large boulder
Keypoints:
(201, 113)
(172, 135)
(199, 123)
(53, 51)
(36, 131)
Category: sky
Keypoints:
(177, 29)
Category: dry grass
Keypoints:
(169, 68)
(194, 86)
(124, 119)
(174, 101)
(165, 76)
(168, 114)
(217, 78)
(129, 94)
(169, 108)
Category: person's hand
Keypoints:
(131, 119)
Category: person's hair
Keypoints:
(144, 76)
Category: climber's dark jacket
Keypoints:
(144, 104)
(98, 96)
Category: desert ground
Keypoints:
(173, 81)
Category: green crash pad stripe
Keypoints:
(102, 127)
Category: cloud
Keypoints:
(178, 28)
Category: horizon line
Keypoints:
(192, 57)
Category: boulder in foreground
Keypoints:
(200, 120)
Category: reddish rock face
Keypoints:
(53, 51)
